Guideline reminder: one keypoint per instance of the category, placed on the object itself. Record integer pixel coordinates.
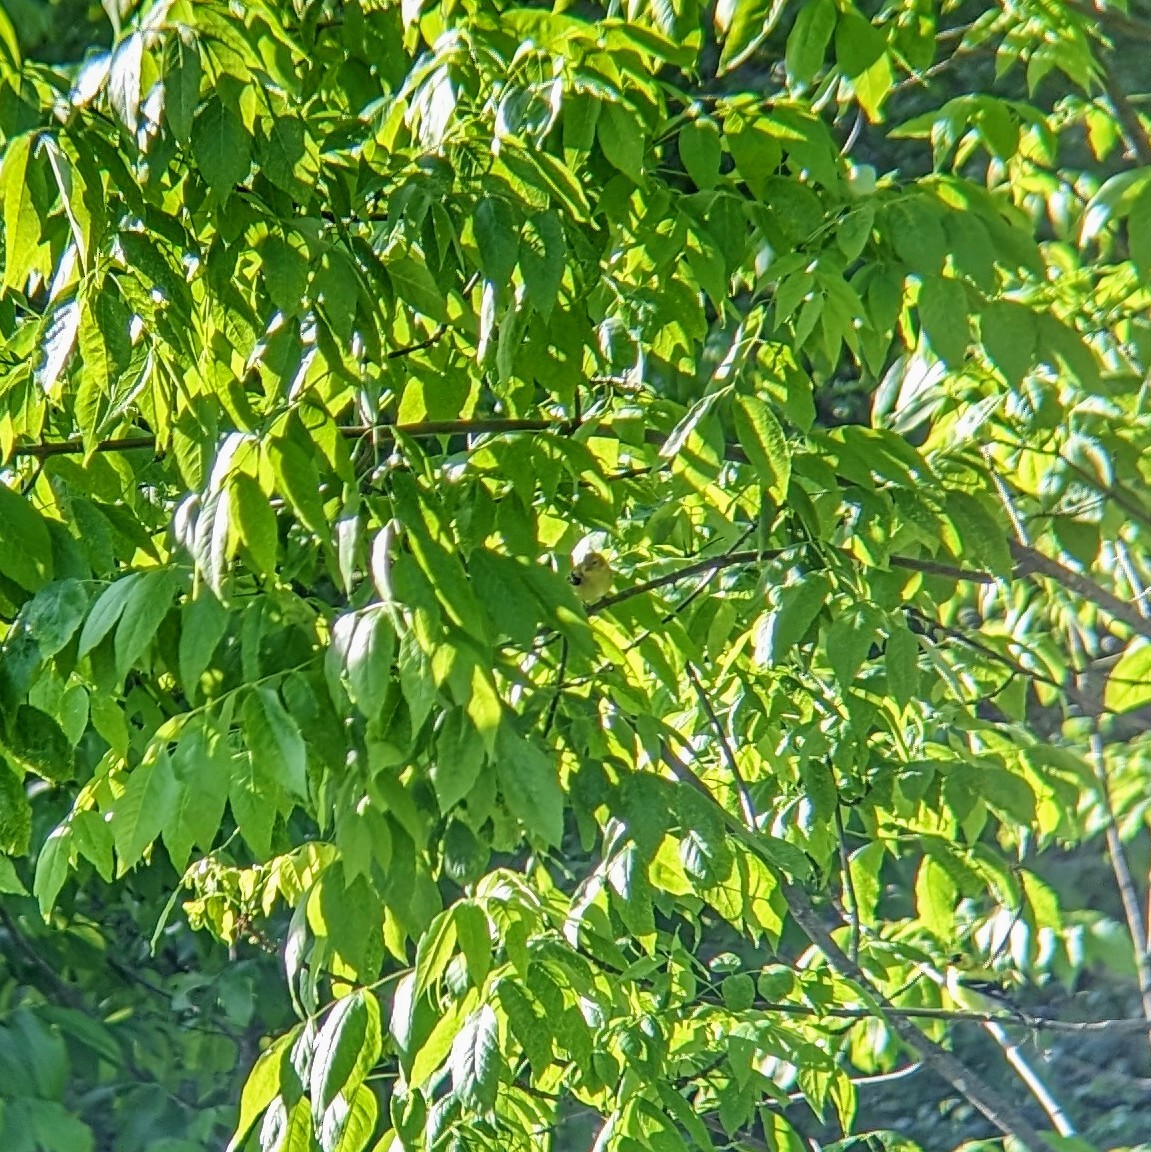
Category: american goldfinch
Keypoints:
(973, 993)
(591, 578)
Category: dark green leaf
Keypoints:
(25, 546)
(221, 145)
(700, 151)
(943, 311)
(274, 739)
(497, 236)
(251, 512)
(808, 40)
(476, 1060)
(145, 606)
(763, 440)
(36, 742)
(529, 784)
(621, 136)
(1008, 332)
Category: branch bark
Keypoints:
(998, 1110)
(1030, 562)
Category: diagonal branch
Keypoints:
(1030, 562)
(1000, 1111)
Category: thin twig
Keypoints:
(851, 901)
(1005, 498)
(387, 433)
(1013, 1054)
(996, 1108)
(735, 559)
(561, 671)
(745, 801)
(1125, 881)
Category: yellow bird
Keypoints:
(973, 994)
(591, 578)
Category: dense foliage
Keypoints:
(330, 332)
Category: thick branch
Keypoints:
(1001, 1112)
(1030, 562)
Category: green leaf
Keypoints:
(943, 312)
(621, 137)
(123, 83)
(738, 992)
(436, 554)
(283, 157)
(146, 805)
(435, 951)
(221, 145)
(52, 868)
(476, 1062)
(800, 602)
(203, 622)
(475, 940)
(15, 812)
(700, 151)
(351, 1122)
(1129, 684)
(855, 231)
(202, 765)
(415, 286)
(763, 440)
(10, 882)
(252, 513)
(274, 740)
(181, 83)
(935, 896)
(744, 25)
(982, 538)
(529, 785)
(23, 228)
(459, 758)
(346, 1049)
(543, 251)
(36, 742)
(848, 640)
(808, 40)
(285, 269)
(1008, 332)
(25, 546)
(901, 661)
(497, 238)
(1139, 233)
(264, 1083)
(54, 614)
(146, 605)
(105, 350)
(297, 477)
(368, 658)
(858, 43)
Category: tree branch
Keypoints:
(1000, 1111)
(386, 433)
(1030, 562)
(745, 800)
(1125, 881)
(736, 559)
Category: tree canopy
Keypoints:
(333, 816)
